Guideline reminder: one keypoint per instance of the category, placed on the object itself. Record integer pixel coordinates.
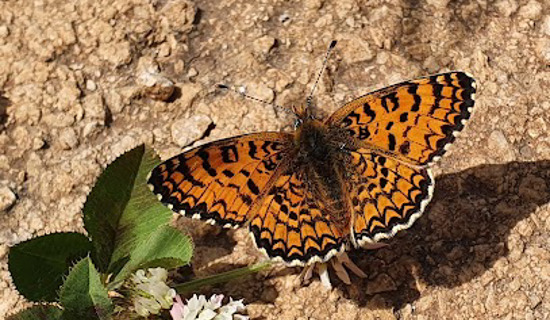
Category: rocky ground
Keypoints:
(83, 81)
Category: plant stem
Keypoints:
(221, 277)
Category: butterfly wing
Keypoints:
(413, 121)
(220, 181)
(386, 195)
(292, 223)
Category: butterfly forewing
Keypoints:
(220, 181)
(414, 120)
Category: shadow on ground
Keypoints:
(462, 234)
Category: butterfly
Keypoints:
(353, 179)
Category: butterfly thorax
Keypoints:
(311, 141)
(320, 157)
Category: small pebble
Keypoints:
(192, 73)
(532, 10)
(186, 131)
(68, 139)
(156, 86)
(7, 198)
(545, 26)
(90, 85)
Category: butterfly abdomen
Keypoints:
(319, 155)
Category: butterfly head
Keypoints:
(303, 114)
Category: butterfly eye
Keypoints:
(298, 123)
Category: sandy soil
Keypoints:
(76, 91)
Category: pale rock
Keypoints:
(262, 92)
(4, 31)
(91, 128)
(545, 26)
(67, 96)
(21, 137)
(543, 49)
(179, 66)
(59, 119)
(123, 145)
(346, 8)
(179, 14)
(90, 85)
(313, 4)
(7, 198)
(4, 162)
(438, 3)
(5, 142)
(350, 22)
(356, 50)
(38, 143)
(68, 139)
(380, 14)
(94, 106)
(525, 228)
(114, 101)
(527, 151)
(532, 10)
(118, 54)
(382, 57)
(192, 72)
(536, 128)
(34, 164)
(189, 92)
(186, 131)
(149, 78)
(324, 21)
(264, 44)
(545, 270)
(147, 64)
(529, 315)
(4, 249)
(498, 142)
(507, 7)
(27, 112)
(164, 50)
(516, 247)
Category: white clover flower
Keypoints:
(198, 308)
(150, 292)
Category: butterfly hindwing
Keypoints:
(292, 224)
(220, 181)
(386, 195)
(415, 120)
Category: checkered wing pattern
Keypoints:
(220, 181)
(386, 195)
(293, 223)
(414, 121)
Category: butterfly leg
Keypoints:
(341, 263)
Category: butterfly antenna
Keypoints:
(329, 50)
(242, 93)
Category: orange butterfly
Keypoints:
(355, 178)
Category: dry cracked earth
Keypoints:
(83, 81)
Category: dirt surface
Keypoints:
(77, 82)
